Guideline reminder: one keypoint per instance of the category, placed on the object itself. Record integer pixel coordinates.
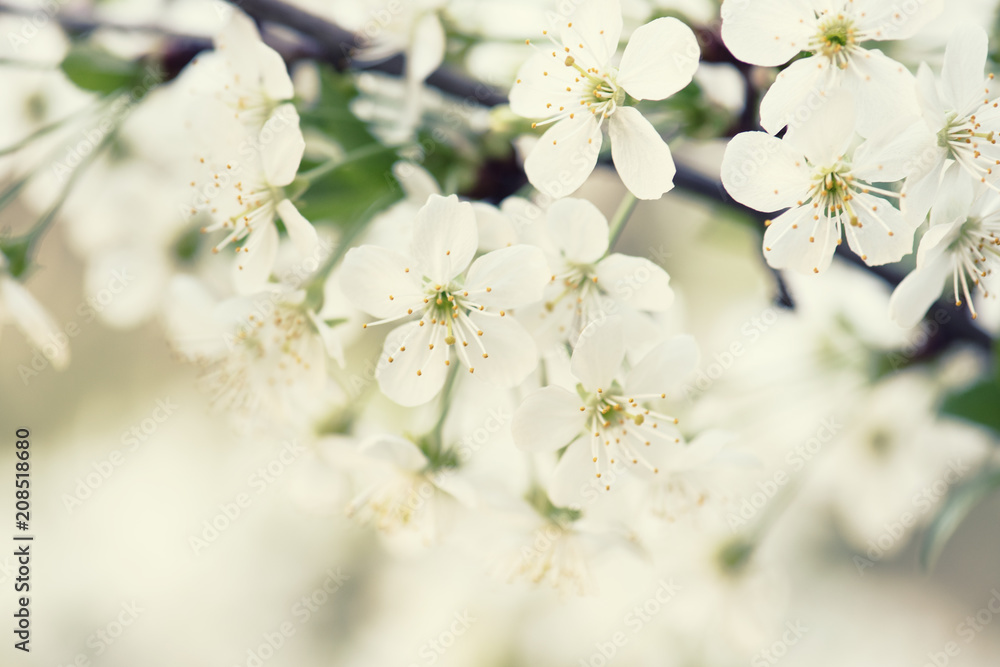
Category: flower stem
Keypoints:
(336, 162)
(437, 438)
(622, 215)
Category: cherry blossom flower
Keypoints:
(772, 32)
(459, 306)
(264, 353)
(959, 124)
(402, 491)
(963, 245)
(826, 187)
(244, 197)
(589, 283)
(577, 83)
(247, 76)
(606, 422)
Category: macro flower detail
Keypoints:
(962, 248)
(607, 421)
(248, 76)
(243, 200)
(772, 32)
(588, 283)
(959, 124)
(825, 187)
(458, 307)
(576, 85)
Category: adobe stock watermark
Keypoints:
(88, 310)
(967, 630)
(772, 655)
(227, 173)
(32, 23)
(101, 640)
(131, 440)
(796, 459)
(634, 620)
(232, 510)
(302, 611)
(118, 111)
(922, 502)
(433, 649)
(723, 361)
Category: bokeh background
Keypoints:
(127, 569)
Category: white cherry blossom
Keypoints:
(589, 283)
(243, 192)
(262, 354)
(607, 420)
(772, 32)
(826, 187)
(961, 249)
(576, 83)
(457, 306)
(959, 124)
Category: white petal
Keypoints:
(766, 32)
(371, 275)
(889, 21)
(495, 229)
(787, 242)
(509, 277)
(827, 132)
(799, 91)
(300, 230)
(660, 59)
(395, 451)
(565, 156)
(666, 366)
(918, 291)
(427, 45)
(640, 155)
(274, 78)
(331, 339)
(255, 260)
(574, 479)
(579, 230)
(35, 322)
(597, 24)
(635, 281)
(511, 350)
(416, 181)
(896, 153)
(548, 419)
(539, 91)
(964, 65)
(871, 239)
(416, 374)
(282, 145)
(763, 172)
(445, 238)
(883, 89)
(598, 354)
(929, 97)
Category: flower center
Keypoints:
(837, 36)
(622, 427)
(976, 248)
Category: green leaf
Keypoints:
(97, 70)
(980, 404)
(956, 508)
